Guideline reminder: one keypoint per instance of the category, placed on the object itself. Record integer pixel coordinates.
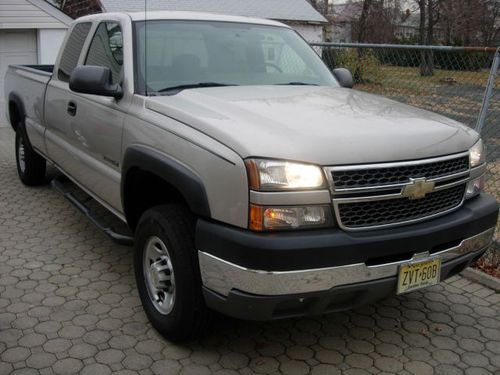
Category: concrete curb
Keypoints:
(481, 278)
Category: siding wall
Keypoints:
(310, 32)
(21, 14)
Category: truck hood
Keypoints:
(321, 125)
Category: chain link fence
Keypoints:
(459, 82)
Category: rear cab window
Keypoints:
(72, 50)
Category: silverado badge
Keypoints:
(418, 188)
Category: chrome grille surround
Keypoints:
(352, 178)
(377, 193)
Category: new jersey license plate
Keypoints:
(414, 276)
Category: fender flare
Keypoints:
(21, 126)
(189, 185)
(18, 102)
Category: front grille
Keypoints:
(360, 178)
(385, 212)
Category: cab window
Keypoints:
(72, 50)
(106, 49)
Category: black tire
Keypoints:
(31, 167)
(189, 316)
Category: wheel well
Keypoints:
(14, 114)
(144, 190)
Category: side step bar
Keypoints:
(119, 238)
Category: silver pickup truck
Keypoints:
(254, 181)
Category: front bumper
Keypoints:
(221, 276)
(273, 269)
(248, 306)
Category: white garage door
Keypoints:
(16, 47)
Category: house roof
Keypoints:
(32, 14)
(285, 10)
(413, 20)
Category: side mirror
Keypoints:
(95, 80)
(344, 77)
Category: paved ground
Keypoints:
(68, 304)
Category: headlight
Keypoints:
(272, 175)
(476, 154)
(287, 218)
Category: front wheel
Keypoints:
(31, 167)
(167, 273)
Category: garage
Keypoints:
(31, 32)
(16, 47)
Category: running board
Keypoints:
(122, 239)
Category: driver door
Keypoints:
(97, 122)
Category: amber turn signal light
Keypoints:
(253, 174)
(256, 218)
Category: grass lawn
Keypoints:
(454, 93)
(401, 79)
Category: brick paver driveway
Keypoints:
(68, 304)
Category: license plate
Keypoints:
(413, 276)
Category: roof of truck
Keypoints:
(181, 15)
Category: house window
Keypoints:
(72, 50)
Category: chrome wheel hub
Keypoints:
(159, 275)
(21, 156)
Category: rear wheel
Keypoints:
(167, 273)
(31, 167)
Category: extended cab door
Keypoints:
(85, 131)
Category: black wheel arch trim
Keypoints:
(189, 185)
(21, 126)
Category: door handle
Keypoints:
(72, 108)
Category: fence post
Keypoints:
(489, 91)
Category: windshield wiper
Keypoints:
(178, 88)
(296, 84)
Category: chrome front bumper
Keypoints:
(221, 276)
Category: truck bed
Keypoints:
(44, 68)
(27, 84)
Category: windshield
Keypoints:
(175, 54)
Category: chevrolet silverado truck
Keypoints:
(254, 181)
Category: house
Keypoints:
(344, 16)
(409, 28)
(30, 33)
(296, 13)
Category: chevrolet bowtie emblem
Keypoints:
(418, 188)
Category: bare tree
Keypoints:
(376, 21)
(367, 4)
(450, 19)
(470, 22)
(429, 17)
(489, 22)
(320, 5)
